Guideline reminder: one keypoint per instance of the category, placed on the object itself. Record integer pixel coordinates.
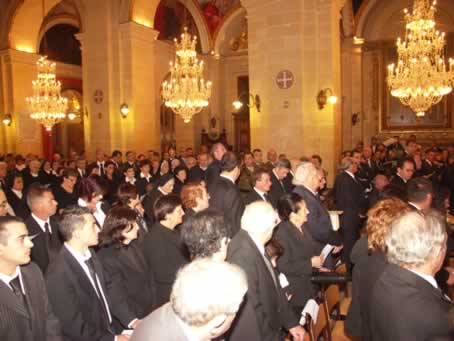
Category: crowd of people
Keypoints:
(221, 245)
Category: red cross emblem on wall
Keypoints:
(284, 79)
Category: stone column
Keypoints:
(17, 71)
(303, 37)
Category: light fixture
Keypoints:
(186, 92)
(421, 77)
(47, 106)
(253, 101)
(73, 108)
(72, 116)
(124, 110)
(7, 119)
(325, 96)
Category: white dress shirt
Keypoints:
(6, 279)
(41, 223)
(428, 278)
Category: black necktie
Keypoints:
(265, 196)
(91, 269)
(101, 169)
(270, 269)
(17, 290)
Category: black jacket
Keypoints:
(75, 301)
(38, 322)
(278, 188)
(131, 285)
(165, 254)
(225, 197)
(269, 305)
(406, 307)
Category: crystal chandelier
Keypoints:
(46, 105)
(186, 92)
(421, 77)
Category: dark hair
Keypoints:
(179, 169)
(90, 168)
(116, 153)
(287, 204)
(318, 157)
(127, 166)
(117, 221)
(108, 163)
(418, 189)
(166, 204)
(283, 163)
(144, 163)
(274, 249)
(126, 192)
(257, 174)
(229, 161)
(70, 172)
(256, 150)
(88, 189)
(35, 192)
(10, 179)
(72, 219)
(402, 161)
(203, 233)
(4, 221)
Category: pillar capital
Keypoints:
(134, 31)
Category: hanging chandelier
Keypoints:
(421, 77)
(46, 105)
(186, 92)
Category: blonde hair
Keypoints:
(379, 219)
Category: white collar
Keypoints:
(401, 178)
(415, 205)
(227, 177)
(428, 278)
(160, 190)
(314, 193)
(131, 181)
(18, 193)
(81, 258)
(351, 174)
(41, 223)
(100, 162)
(146, 177)
(7, 279)
(275, 174)
(262, 194)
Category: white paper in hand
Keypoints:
(283, 281)
(326, 251)
(334, 216)
(311, 308)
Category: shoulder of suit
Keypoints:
(31, 269)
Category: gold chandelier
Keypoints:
(421, 77)
(46, 105)
(186, 92)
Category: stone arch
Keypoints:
(143, 12)
(27, 27)
(233, 18)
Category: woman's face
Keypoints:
(3, 204)
(203, 201)
(300, 217)
(130, 233)
(176, 217)
(110, 169)
(18, 184)
(46, 166)
(168, 187)
(164, 168)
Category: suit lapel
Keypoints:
(9, 299)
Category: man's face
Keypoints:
(16, 250)
(356, 158)
(99, 155)
(48, 203)
(18, 184)
(411, 148)
(219, 152)
(367, 152)
(131, 157)
(129, 173)
(145, 169)
(264, 183)
(248, 160)
(407, 170)
(315, 162)
(271, 155)
(172, 153)
(282, 172)
(258, 157)
(81, 164)
(3, 204)
(203, 160)
(70, 181)
(182, 175)
(88, 234)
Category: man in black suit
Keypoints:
(262, 185)
(225, 195)
(42, 225)
(419, 194)
(204, 301)
(266, 304)
(307, 183)
(25, 312)
(214, 169)
(278, 174)
(406, 303)
(405, 171)
(350, 199)
(198, 172)
(76, 282)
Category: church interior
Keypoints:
(283, 53)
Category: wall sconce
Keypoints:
(7, 119)
(124, 110)
(355, 118)
(326, 96)
(72, 116)
(254, 101)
